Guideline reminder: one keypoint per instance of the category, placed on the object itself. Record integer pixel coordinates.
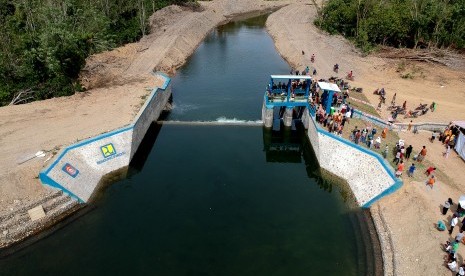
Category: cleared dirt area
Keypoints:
(409, 214)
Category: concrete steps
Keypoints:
(17, 225)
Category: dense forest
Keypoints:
(398, 23)
(44, 43)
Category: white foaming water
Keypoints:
(225, 121)
(221, 121)
(183, 108)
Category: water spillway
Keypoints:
(214, 199)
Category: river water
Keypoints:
(212, 200)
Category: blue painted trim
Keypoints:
(46, 180)
(397, 182)
(43, 175)
(165, 76)
(287, 104)
(85, 142)
(386, 192)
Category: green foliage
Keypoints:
(398, 23)
(44, 43)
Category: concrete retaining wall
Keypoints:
(424, 126)
(312, 133)
(399, 126)
(79, 168)
(369, 176)
(149, 113)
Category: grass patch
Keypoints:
(391, 138)
(361, 106)
(409, 70)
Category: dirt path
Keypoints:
(409, 214)
(117, 81)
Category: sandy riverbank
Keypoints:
(405, 219)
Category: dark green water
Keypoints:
(227, 76)
(211, 200)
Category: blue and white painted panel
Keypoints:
(79, 168)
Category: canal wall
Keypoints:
(80, 167)
(368, 175)
(312, 133)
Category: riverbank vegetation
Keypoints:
(44, 43)
(397, 23)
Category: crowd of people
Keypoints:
(335, 120)
(339, 117)
(451, 246)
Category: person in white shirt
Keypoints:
(453, 222)
(461, 271)
(452, 264)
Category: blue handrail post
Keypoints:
(329, 101)
(289, 85)
(307, 89)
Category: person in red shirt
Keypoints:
(429, 171)
(400, 169)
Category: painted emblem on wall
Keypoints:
(69, 169)
(108, 150)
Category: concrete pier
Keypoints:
(267, 116)
(287, 118)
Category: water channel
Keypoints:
(213, 200)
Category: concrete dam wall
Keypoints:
(79, 168)
(369, 176)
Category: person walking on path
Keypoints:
(411, 170)
(446, 206)
(408, 151)
(409, 125)
(446, 154)
(433, 107)
(422, 154)
(453, 223)
(385, 153)
(430, 182)
(384, 133)
(461, 271)
(397, 157)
